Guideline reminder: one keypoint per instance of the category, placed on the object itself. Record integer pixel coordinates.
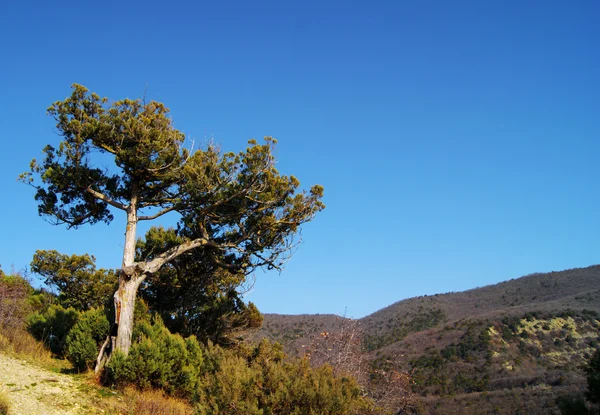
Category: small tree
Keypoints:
(234, 210)
(79, 283)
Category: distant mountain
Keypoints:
(512, 347)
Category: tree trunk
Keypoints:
(124, 308)
(130, 279)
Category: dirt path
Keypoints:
(36, 391)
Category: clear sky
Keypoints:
(457, 141)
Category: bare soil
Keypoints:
(33, 390)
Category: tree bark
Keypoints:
(130, 279)
(124, 309)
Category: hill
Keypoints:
(510, 347)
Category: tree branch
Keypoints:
(162, 212)
(105, 198)
(154, 265)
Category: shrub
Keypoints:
(52, 327)
(572, 405)
(158, 359)
(249, 380)
(17, 300)
(82, 342)
(14, 305)
(257, 380)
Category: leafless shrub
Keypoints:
(14, 308)
(390, 389)
(13, 302)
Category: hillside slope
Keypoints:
(512, 346)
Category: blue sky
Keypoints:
(457, 141)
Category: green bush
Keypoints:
(249, 380)
(79, 283)
(573, 405)
(158, 359)
(83, 341)
(258, 380)
(52, 326)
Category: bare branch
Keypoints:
(154, 265)
(162, 212)
(105, 198)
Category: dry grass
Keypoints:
(21, 343)
(151, 402)
(4, 404)
(14, 309)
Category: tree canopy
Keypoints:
(196, 296)
(80, 285)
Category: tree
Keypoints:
(79, 283)
(188, 309)
(235, 210)
(196, 296)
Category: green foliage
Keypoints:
(83, 340)
(574, 405)
(237, 207)
(80, 284)
(158, 359)
(243, 380)
(236, 211)
(592, 371)
(435, 369)
(471, 343)
(258, 380)
(422, 320)
(196, 297)
(52, 326)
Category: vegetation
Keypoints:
(528, 361)
(516, 347)
(512, 347)
(153, 402)
(236, 212)
(197, 298)
(17, 300)
(592, 371)
(246, 379)
(4, 404)
(181, 347)
(80, 285)
(399, 328)
(52, 325)
(181, 375)
(83, 340)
